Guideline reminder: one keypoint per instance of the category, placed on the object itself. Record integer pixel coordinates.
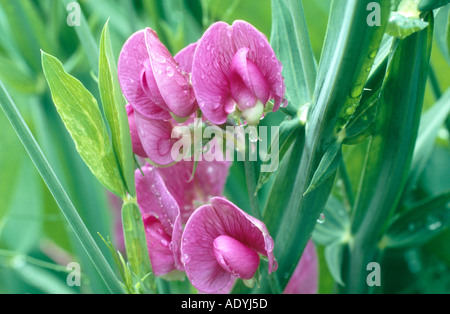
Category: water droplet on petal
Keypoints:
(170, 71)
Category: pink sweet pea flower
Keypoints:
(138, 149)
(166, 198)
(305, 279)
(221, 243)
(152, 81)
(234, 68)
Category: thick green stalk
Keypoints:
(58, 192)
(390, 152)
(350, 49)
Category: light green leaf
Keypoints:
(336, 224)
(428, 5)
(136, 246)
(333, 256)
(80, 113)
(442, 31)
(115, 112)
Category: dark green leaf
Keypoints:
(290, 40)
(420, 223)
(82, 118)
(289, 131)
(327, 167)
(390, 151)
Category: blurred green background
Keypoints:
(35, 241)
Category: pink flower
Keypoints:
(138, 149)
(234, 68)
(152, 81)
(305, 278)
(166, 200)
(221, 243)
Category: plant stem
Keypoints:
(67, 208)
(251, 187)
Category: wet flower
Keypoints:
(235, 70)
(167, 198)
(152, 81)
(221, 243)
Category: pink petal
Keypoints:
(158, 242)
(305, 278)
(247, 82)
(185, 57)
(263, 56)
(154, 199)
(209, 181)
(235, 258)
(156, 139)
(208, 223)
(138, 149)
(212, 68)
(130, 70)
(172, 83)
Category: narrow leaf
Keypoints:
(327, 167)
(290, 40)
(289, 131)
(115, 112)
(333, 256)
(428, 5)
(136, 246)
(58, 192)
(420, 223)
(80, 113)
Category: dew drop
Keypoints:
(170, 71)
(159, 59)
(253, 134)
(321, 219)
(373, 54)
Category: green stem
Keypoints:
(58, 192)
(348, 190)
(251, 187)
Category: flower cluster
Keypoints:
(231, 73)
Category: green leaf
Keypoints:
(431, 122)
(27, 28)
(290, 41)
(390, 150)
(442, 31)
(136, 246)
(115, 112)
(86, 38)
(80, 113)
(58, 192)
(420, 223)
(333, 256)
(289, 131)
(42, 279)
(428, 5)
(336, 225)
(350, 48)
(327, 167)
